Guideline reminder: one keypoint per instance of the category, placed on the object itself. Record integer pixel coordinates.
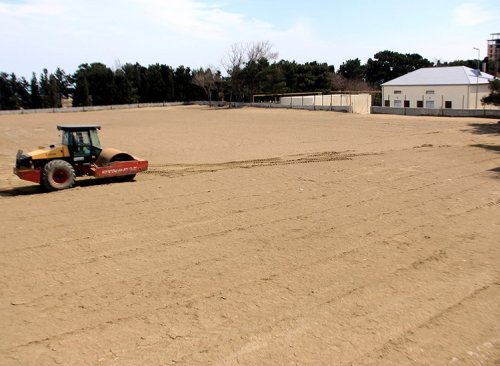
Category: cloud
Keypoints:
(189, 32)
(198, 19)
(204, 31)
(31, 8)
(302, 43)
(469, 14)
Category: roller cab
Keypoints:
(79, 153)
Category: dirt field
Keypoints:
(258, 237)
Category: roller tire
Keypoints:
(122, 178)
(58, 175)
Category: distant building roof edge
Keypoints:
(451, 76)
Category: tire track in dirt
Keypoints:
(262, 207)
(294, 317)
(123, 253)
(434, 256)
(489, 204)
(289, 278)
(107, 257)
(411, 342)
(172, 170)
(152, 210)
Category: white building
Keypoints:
(455, 87)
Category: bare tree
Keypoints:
(233, 62)
(234, 58)
(239, 55)
(341, 83)
(262, 49)
(207, 80)
(337, 82)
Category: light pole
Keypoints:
(478, 70)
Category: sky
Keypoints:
(38, 34)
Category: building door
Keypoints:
(429, 104)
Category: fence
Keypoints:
(486, 113)
(355, 103)
(151, 105)
(346, 108)
(90, 108)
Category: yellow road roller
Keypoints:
(79, 153)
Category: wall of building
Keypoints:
(358, 103)
(436, 96)
(483, 113)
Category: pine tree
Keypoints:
(494, 96)
(81, 96)
(36, 98)
(45, 88)
(54, 98)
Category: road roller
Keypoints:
(79, 153)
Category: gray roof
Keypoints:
(451, 75)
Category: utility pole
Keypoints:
(478, 71)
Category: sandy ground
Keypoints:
(258, 237)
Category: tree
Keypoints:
(36, 98)
(313, 76)
(352, 69)
(132, 73)
(7, 96)
(100, 84)
(259, 50)
(81, 96)
(183, 83)
(14, 92)
(388, 65)
(167, 74)
(289, 70)
(54, 97)
(124, 91)
(50, 88)
(254, 76)
(156, 86)
(45, 88)
(247, 56)
(207, 80)
(63, 83)
(469, 63)
(233, 62)
(338, 82)
(494, 97)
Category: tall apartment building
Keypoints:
(494, 52)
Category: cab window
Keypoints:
(81, 143)
(95, 139)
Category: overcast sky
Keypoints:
(50, 33)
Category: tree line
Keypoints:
(250, 69)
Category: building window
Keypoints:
(387, 103)
(420, 104)
(447, 104)
(397, 104)
(429, 92)
(397, 91)
(407, 104)
(429, 104)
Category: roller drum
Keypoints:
(109, 155)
